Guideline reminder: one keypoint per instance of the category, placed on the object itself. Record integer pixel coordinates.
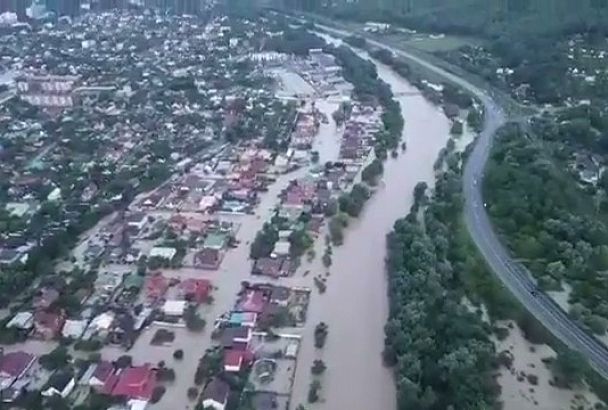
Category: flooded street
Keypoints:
(235, 268)
(355, 305)
(327, 142)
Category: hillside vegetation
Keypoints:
(489, 17)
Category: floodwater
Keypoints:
(327, 142)
(355, 304)
(235, 268)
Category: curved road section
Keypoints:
(514, 275)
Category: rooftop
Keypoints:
(216, 390)
(135, 383)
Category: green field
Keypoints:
(425, 42)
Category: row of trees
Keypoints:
(441, 350)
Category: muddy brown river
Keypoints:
(355, 305)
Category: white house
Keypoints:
(54, 195)
(281, 248)
(137, 220)
(163, 252)
(22, 320)
(174, 307)
(73, 329)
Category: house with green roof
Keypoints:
(216, 241)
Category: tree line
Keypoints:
(440, 349)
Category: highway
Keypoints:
(512, 274)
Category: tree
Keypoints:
(321, 332)
(371, 172)
(331, 209)
(326, 259)
(569, 366)
(597, 324)
(123, 362)
(556, 269)
(335, 231)
(299, 241)
(165, 374)
(263, 244)
(318, 367)
(193, 321)
(192, 393)
(157, 394)
(56, 402)
(56, 359)
(352, 203)
(208, 366)
(313, 391)
(420, 192)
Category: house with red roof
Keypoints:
(135, 383)
(253, 300)
(195, 290)
(178, 223)
(156, 286)
(100, 374)
(235, 359)
(208, 258)
(48, 325)
(14, 366)
(272, 267)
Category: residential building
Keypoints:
(48, 325)
(135, 383)
(215, 394)
(61, 383)
(215, 241)
(234, 360)
(156, 286)
(237, 338)
(253, 300)
(98, 375)
(280, 295)
(163, 252)
(195, 290)
(22, 320)
(73, 329)
(246, 319)
(208, 259)
(174, 308)
(14, 366)
(137, 220)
